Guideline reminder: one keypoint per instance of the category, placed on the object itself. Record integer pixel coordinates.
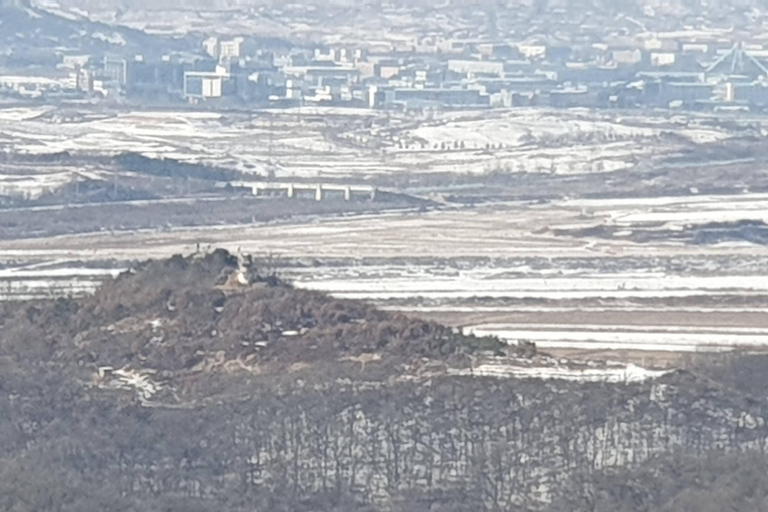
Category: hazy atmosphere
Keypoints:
(383, 256)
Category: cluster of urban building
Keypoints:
(698, 70)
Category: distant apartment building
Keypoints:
(207, 85)
(686, 94)
(316, 74)
(532, 51)
(560, 54)
(387, 70)
(367, 69)
(754, 94)
(582, 73)
(158, 77)
(232, 49)
(502, 51)
(696, 48)
(138, 76)
(84, 80)
(627, 57)
(476, 67)
(75, 61)
(429, 98)
(338, 55)
(661, 45)
(451, 47)
(116, 70)
(223, 49)
(659, 59)
(573, 97)
(517, 84)
(294, 89)
(211, 47)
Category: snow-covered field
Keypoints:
(505, 369)
(33, 186)
(22, 114)
(496, 231)
(499, 269)
(755, 211)
(595, 286)
(41, 281)
(315, 142)
(560, 142)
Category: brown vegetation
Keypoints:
(201, 383)
(172, 315)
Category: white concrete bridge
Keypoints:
(319, 191)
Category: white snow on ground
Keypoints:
(718, 202)
(22, 114)
(521, 127)
(697, 217)
(302, 143)
(503, 368)
(42, 81)
(46, 289)
(42, 274)
(134, 380)
(523, 308)
(627, 339)
(555, 288)
(38, 282)
(540, 140)
(113, 38)
(33, 186)
(627, 328)
(551, 295)
(672, 212)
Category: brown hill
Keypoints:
(175, 315)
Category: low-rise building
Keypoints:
(211, 47)
(476, 67)
(754, 94)
(207, 85)
(532, 51)
(659, 59)
(685, 93)
(431, 98)
(627, 57)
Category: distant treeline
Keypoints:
(134, 162)
(170, 168)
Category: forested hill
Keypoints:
(207, 383)
(31, 31)
(177, 314)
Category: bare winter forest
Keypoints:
(199, 383)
